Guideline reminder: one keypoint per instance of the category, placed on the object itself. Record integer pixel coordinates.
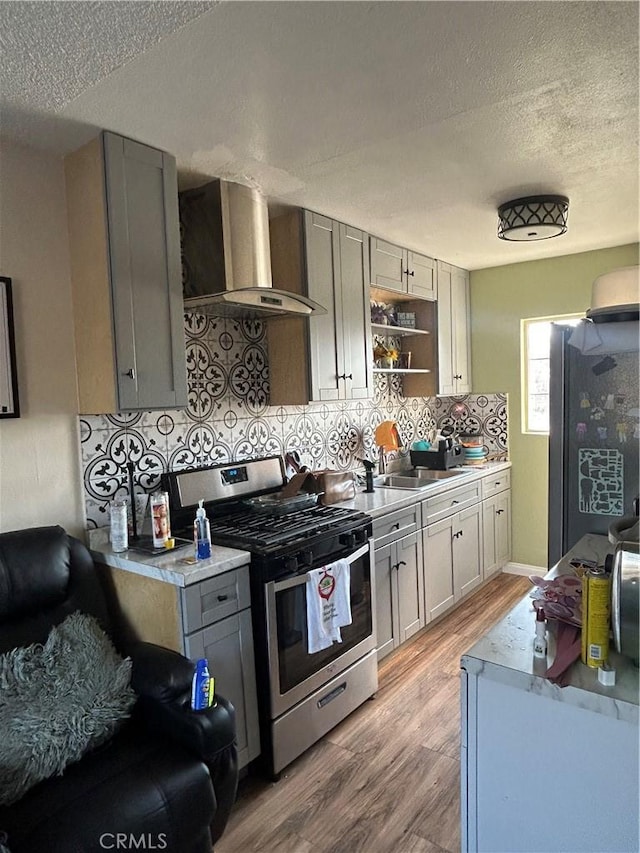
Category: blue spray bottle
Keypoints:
(202, 533)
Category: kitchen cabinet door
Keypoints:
(399, 592)
(327, 357)
(422, 276)
(228, 647)
(356, 349)
(394, 268)
(322, 247)
(496, 532)
(467, 551)
(454, 350)
(452, 553)
(410, 586)
(124, 239)
(388, 264)
(385, 576)
(438, 567)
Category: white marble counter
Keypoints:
(505, 654)
(384, 500)
(176, 567)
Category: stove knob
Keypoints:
(348, 540)
(291, 565)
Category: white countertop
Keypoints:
(176, 566)
(384, 500)
(505, 654)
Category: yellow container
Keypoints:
(596, 614)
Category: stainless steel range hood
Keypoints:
(226, 263)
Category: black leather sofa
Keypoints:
(167, 779)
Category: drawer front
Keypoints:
(496, 483)
(449, 502)
(209, 601)
(394, 525)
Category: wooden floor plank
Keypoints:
(386, 780)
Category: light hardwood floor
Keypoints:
(386, 780)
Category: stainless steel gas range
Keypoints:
(301, 695)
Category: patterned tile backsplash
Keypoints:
(229, 418)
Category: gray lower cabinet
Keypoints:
(399, 578)
(496, 522)
(212, 619)
(452, 546)
(228, 646)
(329, 356)
(452, 550)
(496, 528)
(124, 242)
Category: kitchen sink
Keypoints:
(418, 478)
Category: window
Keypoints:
(535, 342)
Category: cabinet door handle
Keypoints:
(345, 376)
(223, 597)
(499, 511)
(409, 272)
(458, 534)
(396, 526)
(130, 373)
(454, 502)
(401, 563)
(457, 376)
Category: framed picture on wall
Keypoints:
(9, 405)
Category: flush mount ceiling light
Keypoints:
(536, 217)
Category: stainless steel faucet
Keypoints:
(382, 461)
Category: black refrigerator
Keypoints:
(594, 430)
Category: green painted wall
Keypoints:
(500, 298)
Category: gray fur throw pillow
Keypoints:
(58, 701)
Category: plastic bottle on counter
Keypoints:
(202, 533)
(119, 533)
(540, 639)
(160, 519)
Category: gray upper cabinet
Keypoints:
(124, 237)
(329, 356)
(395, 268)
(454, 330)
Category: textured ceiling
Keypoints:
(411, 120)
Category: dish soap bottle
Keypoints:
(202, 533)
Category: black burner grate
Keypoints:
(252, 531)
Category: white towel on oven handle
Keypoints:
(328, 594)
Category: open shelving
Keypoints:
(420, 379)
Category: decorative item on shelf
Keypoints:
(385, 357)
(533, 218)
(383, 314)
(406, 319)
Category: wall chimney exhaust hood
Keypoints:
(226, 261)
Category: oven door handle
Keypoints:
(301, 578)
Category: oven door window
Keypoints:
(295, 664)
